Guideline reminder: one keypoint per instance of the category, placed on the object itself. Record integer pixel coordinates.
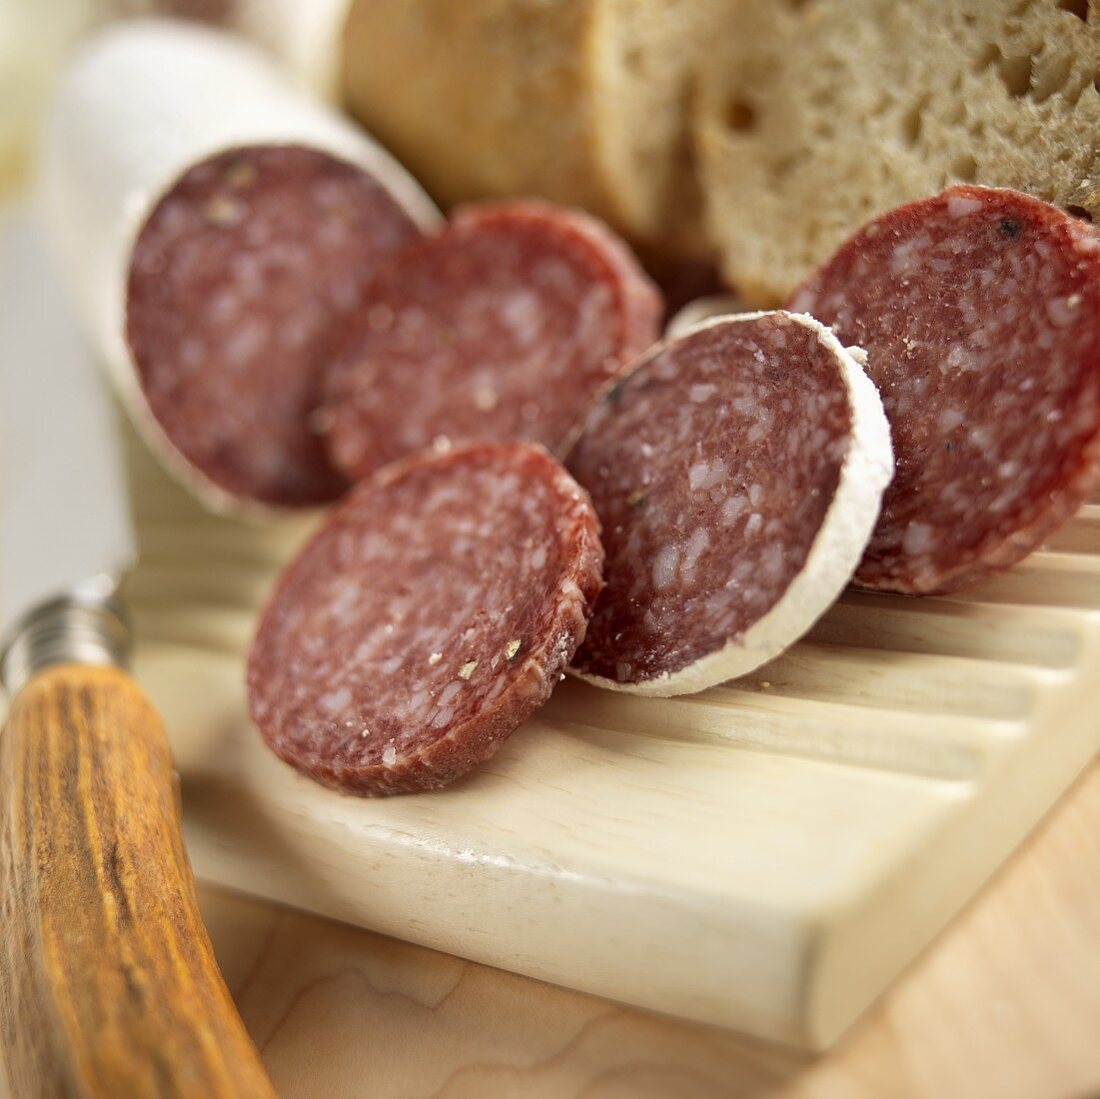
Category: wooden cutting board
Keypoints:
(766, 856)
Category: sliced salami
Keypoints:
(506, 325)
(979, 310)
(737, 472)
(217, 226)
(430, 615)
(241, 281)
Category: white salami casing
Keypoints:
(701, 490)
(139, 104)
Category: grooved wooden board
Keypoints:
(766, 855)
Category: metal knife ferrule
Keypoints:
(85, 627)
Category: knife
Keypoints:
(108, 983)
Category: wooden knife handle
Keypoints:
(108, 983)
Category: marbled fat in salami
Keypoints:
(431, 614)
(979, 310)
(241, 281)
(506, 325)
(737, 472)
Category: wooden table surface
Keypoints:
(1005, 1004)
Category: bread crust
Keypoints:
(583, 102)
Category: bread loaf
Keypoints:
(583, 102)
(814, 116)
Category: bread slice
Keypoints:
(584, 102)
(814, 116)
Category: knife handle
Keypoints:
(108, 983)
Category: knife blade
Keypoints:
(65, 525)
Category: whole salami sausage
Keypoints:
(430, 615)
(218, 228)
(737, 472)
(506, 325)
(979, 310)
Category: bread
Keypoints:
(812, 117)
(584, 102)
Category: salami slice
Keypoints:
(737, 472)
(431, 614)
(216, 225)
(241, 281)
(506, 325)
(979, 310)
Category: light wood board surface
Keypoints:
(1004, 1005)
(766, 856)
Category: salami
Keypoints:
(241, 281)
(737, 472)
(506, 325)
(216, 226)
(979, 310)
(430, 615)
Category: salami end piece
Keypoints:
(506, 325)
(428, 618)
(242, 279)
(979, 310)
(737, 472)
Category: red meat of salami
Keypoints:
(506, 325)
(240, 284)
(979, 310)
(430, 615)
(737, 472)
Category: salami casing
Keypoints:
(737, 472)
(430, 615)
(979, 310)
(201, 139)
(506, 325)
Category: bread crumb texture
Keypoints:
(813, 116)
